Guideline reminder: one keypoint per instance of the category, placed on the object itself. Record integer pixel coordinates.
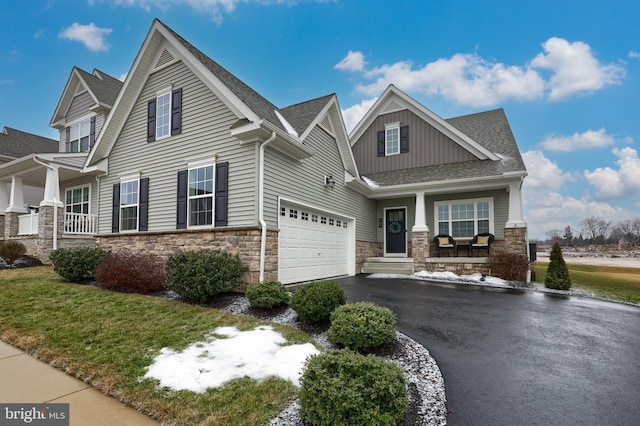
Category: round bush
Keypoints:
(132, 273)
(200, 275)
(316, 301)
(362, 325)
(346, 388)
(267, 294)
(11, 250)
(77, 264)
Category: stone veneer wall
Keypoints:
(515, 241)
(2, 235)
(420, 249)
(365, 250)
(243, 241)
(11, 224)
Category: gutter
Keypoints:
(263, 224)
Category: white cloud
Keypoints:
(470, 79)
(574, 68)
(588, 139)
(354, 114)
(610, 183)
(91, 36)
(354, 61)
(634, 54)
(544, 174)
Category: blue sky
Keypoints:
(567, 73)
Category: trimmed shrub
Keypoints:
(200, 275)
(509, 266)
(316, 301)
(267, 294)
(557, 273)
(77, 264)
(361, 325)
(345, 388)
(11, 250)
(131, 273)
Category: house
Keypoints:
(52, 176)
(189, 157)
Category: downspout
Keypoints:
(263, 224)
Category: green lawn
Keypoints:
(107, 339)
(608, 282)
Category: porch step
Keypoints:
(388, 265)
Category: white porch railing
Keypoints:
(28, 224)
(79, 223)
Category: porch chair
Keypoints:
(445, 242)
(482, 242)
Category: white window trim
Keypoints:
(77, 122)
(195, 166)
(166, 91)
(475, 202)
(77, 187)
(387, 127)
(127, 179)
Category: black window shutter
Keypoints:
(92, 132)
(151, 120)
(381, 145)
(404, 139)
(115, 212)
(176, 111)
(221, 194)
(67, 143)
(181, 213)
(143, 203)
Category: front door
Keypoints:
(396, 232)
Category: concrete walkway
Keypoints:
(27, 380)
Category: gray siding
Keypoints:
(205, 132)
(427, 146)
(500, 207)
(80, 108)
(304, 182)
(409, 203)
(82, 181)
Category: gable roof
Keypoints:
(257, 117)
(490, 129)
(102, 87)
(393, 99)
(16, 143)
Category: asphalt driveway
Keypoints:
(512, 357)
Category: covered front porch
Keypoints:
(33, 210)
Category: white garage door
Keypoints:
(312, 244)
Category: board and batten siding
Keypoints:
(427, 146)
(206, 123)
(500, 207)
(303, 181)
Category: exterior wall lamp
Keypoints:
(329, 181)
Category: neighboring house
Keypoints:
(58, 171)
(190, 158)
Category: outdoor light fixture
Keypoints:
(329, 181)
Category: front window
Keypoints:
(464, 219)
(79, 136)
(392, 139)
(163, 115)
(129, 197)
(77, 200)
(201, 196)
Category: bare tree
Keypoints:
(596, 228)
(627, 232)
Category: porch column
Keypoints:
(4, 203)
(420, 235)
(516, 218)
(16, 197)
(52, 189)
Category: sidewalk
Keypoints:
(27, 380)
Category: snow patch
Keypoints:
(228, 354)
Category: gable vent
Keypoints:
(326, 123)
(165, 58)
